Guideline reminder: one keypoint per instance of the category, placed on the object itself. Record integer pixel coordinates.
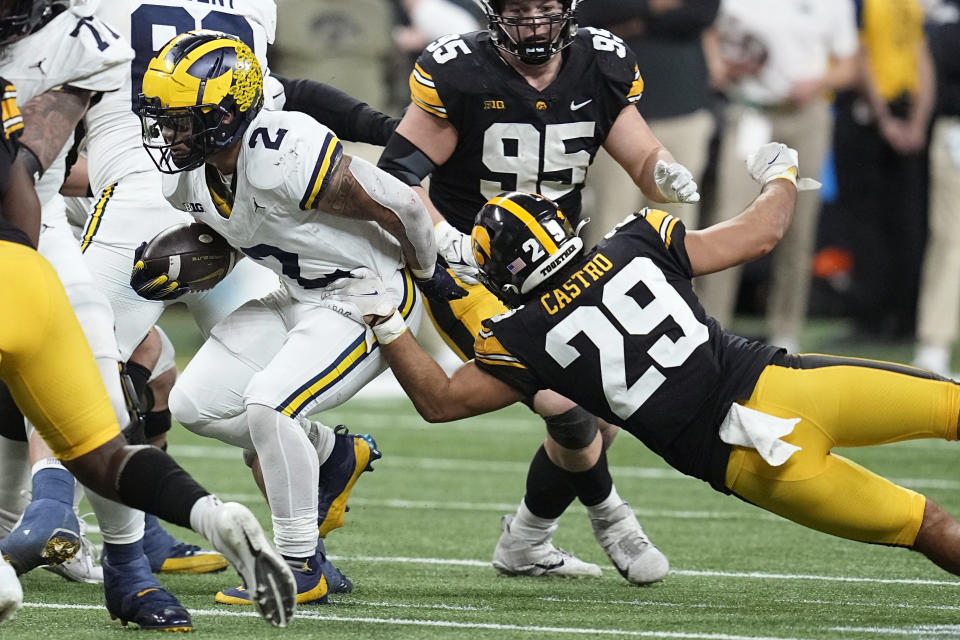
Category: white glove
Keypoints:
(776, 160)
(362, 294)
(454, 248)
(675, 182)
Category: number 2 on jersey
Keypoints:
(589, 320)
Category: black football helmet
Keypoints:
(189, 88)
(19, 18)
(519, 241)
(551, 33)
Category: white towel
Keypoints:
(760, 431)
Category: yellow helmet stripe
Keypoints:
(549, 245)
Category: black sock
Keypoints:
(156, 423)
(549, 491)
(593, 485)
(151, 481)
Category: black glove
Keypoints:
(151, 285)
(441, 285)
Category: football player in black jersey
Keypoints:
(619, 330)
(525, 105)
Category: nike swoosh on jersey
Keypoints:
(574, 106)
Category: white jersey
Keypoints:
(75, 48)
(113, 129)
(286, 160)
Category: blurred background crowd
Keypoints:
(868, 92)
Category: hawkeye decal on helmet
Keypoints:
(519, 241)
(533, 39)
(200, 93)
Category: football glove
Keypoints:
(454, 248)
(153, 287)
(363, 292)
(776, 160)
(675, 182)
(440, 285)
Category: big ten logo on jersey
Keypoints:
(537, 162)
(193, 207)
(494, 105)
(603, 40)
(447, 48)
(153, 25)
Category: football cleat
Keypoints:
(48, 534)
(169, 555)
(11, 593)
(270, 583)
(514, 556)
(629, 549)
(352, 455)
(308, 575)
(134, 595)
(83, 566)
(337, 582)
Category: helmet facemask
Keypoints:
(533, 39)
(179, 131)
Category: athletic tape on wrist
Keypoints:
(390, 329)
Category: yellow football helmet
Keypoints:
(200, 93)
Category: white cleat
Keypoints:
(516, 557)
(629, 549)
(267, 576)
(11, 593)
(82, 567)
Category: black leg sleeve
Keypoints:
(549, 491)
(151, 481)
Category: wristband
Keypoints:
(423, 274)
(789, 175)
(390, 329)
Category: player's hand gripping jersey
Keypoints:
(285, 163)
(75, 48)
(646, 355)
(511, 136)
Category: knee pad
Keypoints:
(182, 407)
(573, 429)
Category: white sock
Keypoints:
(119, 524)
(530, 527)
(321, 436)
(46, 463)
(202, 513)
(606, 510)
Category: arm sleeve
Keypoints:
(348, 117)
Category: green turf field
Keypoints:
(422, 528)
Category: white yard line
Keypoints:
(450, 624)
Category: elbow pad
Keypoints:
(405, 161)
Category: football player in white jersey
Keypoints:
(279, 188)
(61, 57)
(129, 208)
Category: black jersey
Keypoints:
(512, 137)
(624, 336)
(12, 127)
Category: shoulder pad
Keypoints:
(85, 51)
(12, 119)
(614, 59)
(661, 221)
(446, 62)
(277, 142)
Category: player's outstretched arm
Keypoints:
(758, 229)
(21, 207)
(437, 397)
